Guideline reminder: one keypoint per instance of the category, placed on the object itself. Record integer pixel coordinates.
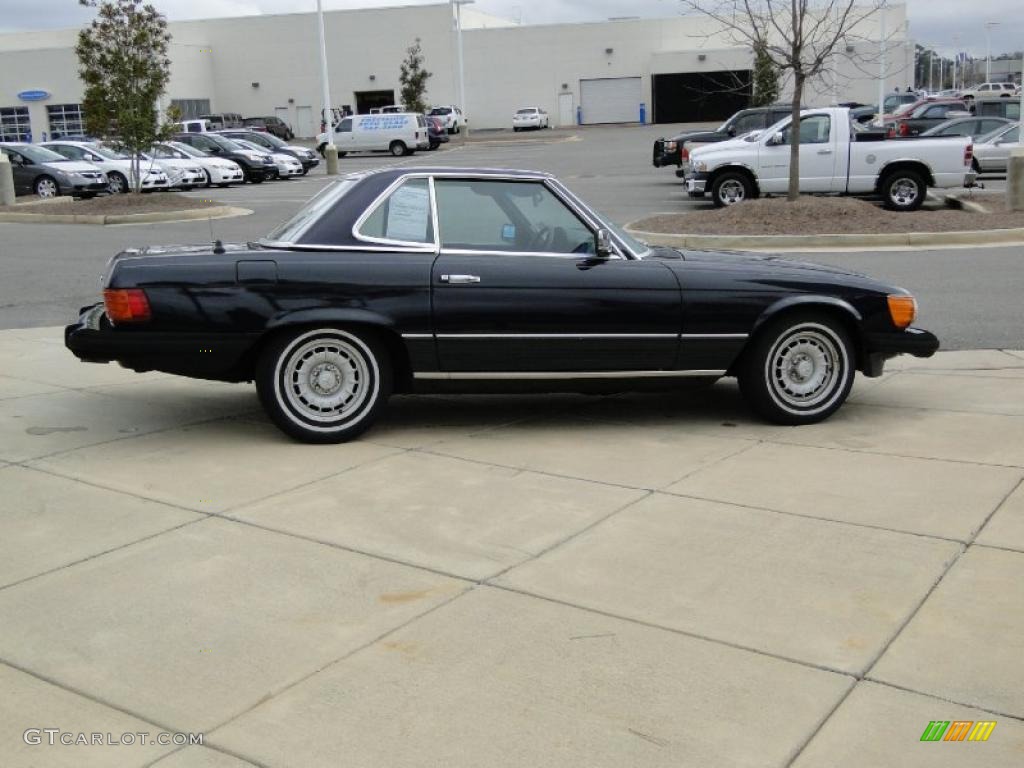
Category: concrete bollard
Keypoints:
(1015, 181)
(6, 181)
(331, 153)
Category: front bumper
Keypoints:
(696, 184)
(879, 347)
(83, 188)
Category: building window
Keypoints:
(14, 124)
(191, 108)
(65, 120)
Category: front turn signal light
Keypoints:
(126, 305)
(902, 310)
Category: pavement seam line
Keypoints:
(674, 630)
(344, 657)
(945, 571)
(955, 702)
(795, 754)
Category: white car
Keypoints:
(116, 165)
(988, 90)
(530, 117)
(216, 170)
(451, 116)
(185, 173)
(287, 165)
(992, 152)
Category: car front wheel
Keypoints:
(46, 187)
(325, 385)
(730, 189)
(798, 370)
(904, 190)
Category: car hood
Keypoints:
(71, 166)
(705, 136)
(721, 146)
(767, 261)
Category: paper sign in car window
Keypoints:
(408, 214)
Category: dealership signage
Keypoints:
(34, 95)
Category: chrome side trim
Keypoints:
(557, 335)
(563, 375)
(547, 254)
(713, 336)
(425, 248)
(418, 336)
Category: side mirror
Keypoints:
(604, 244)
(777, 140)
(731, 130)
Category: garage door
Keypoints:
(611, 100)
(698, 97)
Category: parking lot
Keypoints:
(631, 579)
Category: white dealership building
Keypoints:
(670, 70)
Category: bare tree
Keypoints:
(800, 37)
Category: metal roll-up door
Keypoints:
(611, 100)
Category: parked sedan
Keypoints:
(40, 171)
(992, 152)
(530, 117)
(184, 173)
(287, 165)
(257, 166)
(456, 279)
(216, 170)
(926, 116)
(116, 165)
(267, 142)
(967, 126)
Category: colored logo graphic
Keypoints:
(35, 95)
(958, 730)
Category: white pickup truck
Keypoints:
(835, 158)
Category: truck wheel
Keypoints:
(798, 370)
(325, 385)
(398, 148)
(730, 188)
(904, 190)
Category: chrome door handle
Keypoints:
(824, 151)
(460, 279)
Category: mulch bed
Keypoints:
(112, 204)
(826, 216)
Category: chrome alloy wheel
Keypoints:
(46, 187)
(904, 192)
(805, 369)
(732, 192)
(326, 379)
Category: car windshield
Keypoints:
(40, 154)
(190, 151)
(526, 112)
(248, 145)
(904, 108)
(268, 140)
(441, 111)
(991, 136)
(226, 144)
(292, 230)
(108, 153)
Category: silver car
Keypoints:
(992, 152)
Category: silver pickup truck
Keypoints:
(834, 159)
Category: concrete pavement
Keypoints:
(642, 579)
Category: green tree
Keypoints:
(123, 62)
(414, 79)
(766, 79)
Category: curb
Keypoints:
(825, 242)
(216, 212)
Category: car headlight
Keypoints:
(700, 167)
(670, 146)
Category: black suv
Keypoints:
(256, 166)
(670, 151)
(273, 125)
(271, 143)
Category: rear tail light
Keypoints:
(684, 154)
(902, 310)
(126, 305)
(891, 133)
(904, 129)
(968, 154)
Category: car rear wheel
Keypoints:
(904, 190)
(398, 148)
(117, 182)
(798, 370)
(326, 385)
(46, 187)
(731, 188)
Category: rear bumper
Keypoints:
(220, 356)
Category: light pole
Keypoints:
(988, 55)
(331, 151)
(881, 63)
(462, 72)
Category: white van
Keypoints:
(200, 125)
(400, 134)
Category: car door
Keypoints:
(517, 287)
(818, 157)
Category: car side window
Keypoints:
(403, 217)
(345, 126)
(747, 123)
(816, 129)
(511, 216)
